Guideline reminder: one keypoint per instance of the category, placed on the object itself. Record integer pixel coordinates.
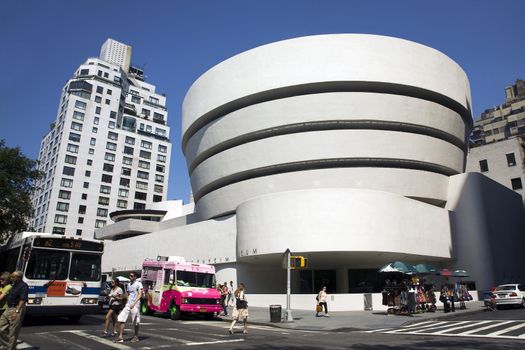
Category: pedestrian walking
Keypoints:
(240, 309)
(321, 299)
(224, 294)
(132, 307)
(229, 298)
(5, 287)
(12, 318)
(115, 305)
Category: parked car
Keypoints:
(509, 294)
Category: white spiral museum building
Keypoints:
(348, 149)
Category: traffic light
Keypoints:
(298, 262)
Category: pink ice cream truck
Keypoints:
(174, 286)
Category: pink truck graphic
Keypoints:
(174, 286)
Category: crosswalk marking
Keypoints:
(493, 329)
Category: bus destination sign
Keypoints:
(65, 243)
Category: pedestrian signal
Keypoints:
(298, 262)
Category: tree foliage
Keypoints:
(18, 175)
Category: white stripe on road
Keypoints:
(428, 326)
(506, 330)
(446, 327)
(470, 324)
(98, 339)
(486, 327)
(216, 342)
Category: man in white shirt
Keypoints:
(132, 307)
(230, 294)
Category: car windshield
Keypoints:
(512, 287)
(195, 279)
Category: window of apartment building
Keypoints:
(124, 182)
(64, 194)
(145, 154)
(100, 223)
(111, 125)
(89, 162)
(109, 156)
(82, 209)
(80, 220)
(154, 100)
(135, 99)
(127, 160)
(70, 159)
(108, 101)
(130, 140)
(143, 164)
(103, 200)
(109, 92)
(106, 75)
(96, 120)
(72, 148)
(142, 185)
(112, 136)
(160, 168)
(70, 171)
(66, 183)
(102, 212)
(61, 206)
(87, 173)
(161, 158)
(128, 150)
(80, 105)
(140, 195)
(511, 159)
(100, 90)
(76, 126)
(133, 92)
(91, 151)
(516, 183)
(106, 178)
(99, 73)
(59, 230)
(145, 144)
(158, 117)
(60, 219)
(78, 115)
(122, 204)
(79, 232)
(158, 189)
(105, 189)
(108, 167)
(142, 175)
(483, 165)
(111, 146)
(125, 171)
(123, 193)
(157, 198)
(113, 115)
(94, 130)
(97, 110)
(139, 206)
(86, 184)
(93, 141)
(163, 149)
(84, 72)
(146, 112)
(159, 178)
(74, 137)
(160, 132)
(84, 196)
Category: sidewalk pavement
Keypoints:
(349, 320)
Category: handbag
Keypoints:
(318, 308)
(241, 304)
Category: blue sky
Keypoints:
(43, 42)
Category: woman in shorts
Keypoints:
(115, 305)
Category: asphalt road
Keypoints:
(507, 327)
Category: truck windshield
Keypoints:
(195, 279)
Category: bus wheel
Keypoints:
(174, 312)
(145, 310)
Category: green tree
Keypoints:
(18, 175)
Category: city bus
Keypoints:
(173, 286)
(63, 272)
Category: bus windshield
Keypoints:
(47, 265)
(195, 279)
(85, 267)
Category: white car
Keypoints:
(510, 294)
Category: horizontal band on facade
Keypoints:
(323, 164)
(325, 125)
(327, 87)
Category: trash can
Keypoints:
(275, 313)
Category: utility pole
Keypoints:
(289, 317)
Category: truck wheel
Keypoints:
(174, 312)
(209, 316)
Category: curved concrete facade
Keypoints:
(344, 111)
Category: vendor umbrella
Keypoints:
(445, 272)
(399, 266)
(426, 269)
(460, 273)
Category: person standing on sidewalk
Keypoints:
(11, 320)
(132, 307)
(321, 297)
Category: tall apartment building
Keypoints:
(108, 148)
(497, 146)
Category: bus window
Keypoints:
(85, 267)
(47, 265)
